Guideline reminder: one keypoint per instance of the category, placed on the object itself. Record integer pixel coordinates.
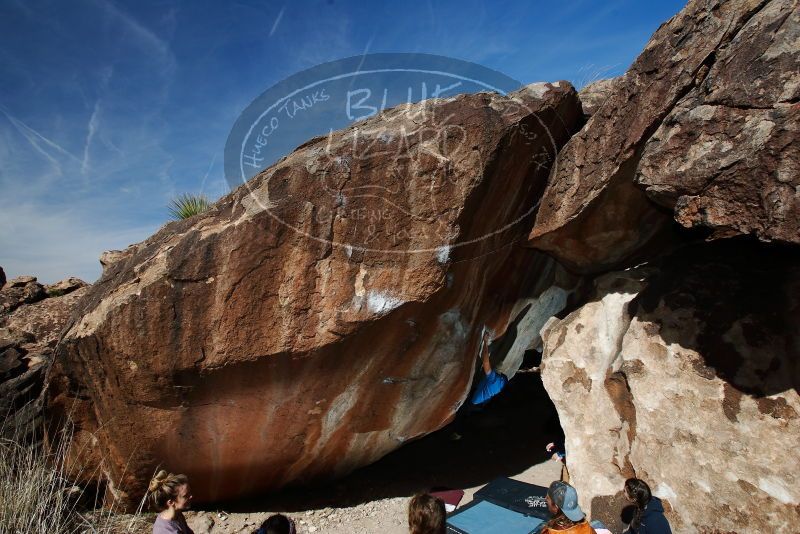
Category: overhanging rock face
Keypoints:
(320, 316)
(700, 130)
(684, 372)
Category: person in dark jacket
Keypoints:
(648, 515)
(277, 524)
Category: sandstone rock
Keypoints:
(10, 361)
(320, 316)
(28, 334)
(685, 374)
(11, 336)
(21, 281)
(701, 124)
(726, 157)
(520, 329)
(43, 320)
(62, 287)
(19, 291)
(109, 257)
(595, 94)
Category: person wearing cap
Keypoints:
(562, 501)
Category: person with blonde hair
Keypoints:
(170, 495)
(426, 515)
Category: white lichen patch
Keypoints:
(538, 89)
(777, 490)
(762, 132)
(380, 302)
(256, 201)
(703, 112)
(443, 254)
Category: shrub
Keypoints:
(187, 205)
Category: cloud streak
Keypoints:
(91, 127)
(277, 21)
(145, 36)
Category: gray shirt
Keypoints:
(163, 526)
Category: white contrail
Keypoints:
(92, 128)
(277, 21)
(34, 138)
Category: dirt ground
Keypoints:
(383, 515)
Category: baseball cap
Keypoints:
(566, 498)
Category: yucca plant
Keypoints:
(187, 205)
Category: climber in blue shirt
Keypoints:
(492, 383)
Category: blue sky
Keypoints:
(108, 109)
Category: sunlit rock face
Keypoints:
(323, 314)
(594, 95)
(701, 130)
(684, 373)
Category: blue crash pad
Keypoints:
(484, 517)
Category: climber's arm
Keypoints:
(487, 366)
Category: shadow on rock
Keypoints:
(505, 439)
(735, 302)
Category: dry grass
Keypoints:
(36, 497)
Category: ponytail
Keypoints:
(163, 487)
(640, 493)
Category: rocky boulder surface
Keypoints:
(683, 370)
(701, 130)
(593, 95)
(684, 373)
(323, 314)
(30, 324)
(18, 291)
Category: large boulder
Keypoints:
(29, 331)
(684, 373)
(700, 130)
(319, 316)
